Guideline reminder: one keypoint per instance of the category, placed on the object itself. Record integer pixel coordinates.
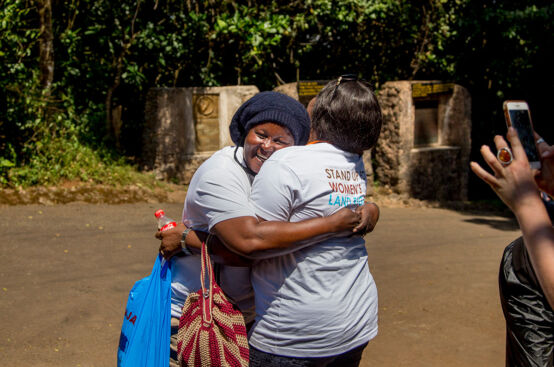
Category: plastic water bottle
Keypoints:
(164, 223)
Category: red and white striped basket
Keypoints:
(211, 329)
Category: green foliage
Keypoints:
(19, 96)
(108, 54)
(58, 159)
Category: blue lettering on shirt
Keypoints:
(340, 200)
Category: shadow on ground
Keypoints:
(508, 224)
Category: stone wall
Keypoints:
(457, 132)
(438, 170)
(395, 140)
(433, 174)
(290, 89)
(185, 126)
(169, 132)
(303, 90)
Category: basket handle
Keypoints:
(207, 292)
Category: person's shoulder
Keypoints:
(220, 158)
(224, 154)
(298, 153)
(288, 153)
(329, 151)
(220, 164)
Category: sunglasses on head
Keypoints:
(343, 79)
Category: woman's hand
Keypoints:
(369, 213)
(345, 219)
(513, 183)
(360, 221)
(545, 176)
(171, 240)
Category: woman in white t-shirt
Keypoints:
(218, 201)
(317, 305)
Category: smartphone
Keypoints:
(517, 115)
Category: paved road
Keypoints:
(65, 274)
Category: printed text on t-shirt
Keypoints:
(347, 186)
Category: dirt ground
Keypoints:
(66, 270)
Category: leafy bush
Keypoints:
(66, 159)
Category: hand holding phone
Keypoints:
(518, 116)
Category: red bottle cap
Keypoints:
(159, 213)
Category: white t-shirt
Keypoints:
(320, 300)
(219, 190)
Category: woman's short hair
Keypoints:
(347, 114)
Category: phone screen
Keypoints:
(521, 121)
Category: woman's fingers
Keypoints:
(500, 142)
(484, 175)
(517, 148)
(546, 151)
(363, 219)
(491, 159)
(544, 177)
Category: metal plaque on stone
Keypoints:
(309, 89)
(431, 90)
(206, 120)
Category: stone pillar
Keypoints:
(424, 146)
(290, 89)
(185, 126)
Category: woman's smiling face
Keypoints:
(262, 141)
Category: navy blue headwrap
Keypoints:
(271, 107)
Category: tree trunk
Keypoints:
(118, 65)
(46, 45)
(110, 130)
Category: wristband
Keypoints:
(184, 247)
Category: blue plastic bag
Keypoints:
(145, 333)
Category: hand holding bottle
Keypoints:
(169, 232)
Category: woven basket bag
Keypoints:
(211, 329)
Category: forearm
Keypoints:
(273, 234)
(246, 235)
(538, 236)
(220, 253)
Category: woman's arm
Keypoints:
(538, 236)
(244, 235)
(171, 244)
(218, 251)
(515, 185)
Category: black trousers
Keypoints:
(350, 358)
